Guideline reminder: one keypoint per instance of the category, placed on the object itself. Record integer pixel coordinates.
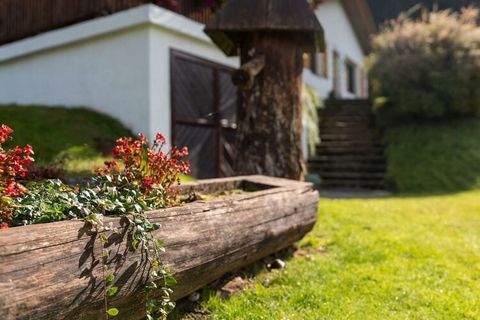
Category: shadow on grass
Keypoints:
(187, 309)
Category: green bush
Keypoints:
(428, 68)
(434, 158)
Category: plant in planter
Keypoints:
(106, 266)
(141, 180)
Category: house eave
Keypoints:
(148, 14)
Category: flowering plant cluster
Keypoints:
(146, 169)
(139, 179)
(13, 165)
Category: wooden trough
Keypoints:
(53, 271)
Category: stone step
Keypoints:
(346, 166)
(343, 127)
(346, 136)
(350, 143)
(341, 112)
(353, 183)
(366, 158)
(347, 117)
(355, 132)
(350, 150)
(352, 102)
(351, 175)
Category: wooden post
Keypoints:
(271, 36)
(270, 115)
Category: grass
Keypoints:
(73, 139)
(442, 157)
(74, 136)
(52, 130)
(393, 258)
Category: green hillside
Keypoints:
(76, 140)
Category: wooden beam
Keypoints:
(245, 76)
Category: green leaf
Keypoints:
(170, 281)
(170, 306)
(112, 291)
(103, 238)
(110, 278)
(134, 243)
(160, 243)
(113, 312)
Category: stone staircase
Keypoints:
(351, 154)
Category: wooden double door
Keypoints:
(204, 112)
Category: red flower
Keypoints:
(149, 168)
(13, 164)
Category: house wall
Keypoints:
(108, 74)
(184, 35)
(340, 36)
(96, 64)
(118, 65)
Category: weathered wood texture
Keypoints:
(25, 18)
(238, 18)
(269, 132)
(52, 271)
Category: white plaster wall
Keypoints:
(340, 36)
(108, 74)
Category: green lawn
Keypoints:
(392, 258)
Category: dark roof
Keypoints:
(237, 17)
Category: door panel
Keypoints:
(204, 109)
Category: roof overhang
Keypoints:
(362, 20)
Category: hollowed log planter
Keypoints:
(53, 271)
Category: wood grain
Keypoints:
(52, 271)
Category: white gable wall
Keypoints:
(339, 36)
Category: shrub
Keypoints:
(428, 68)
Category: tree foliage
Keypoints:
(429, 67)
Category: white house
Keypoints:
(156, 71)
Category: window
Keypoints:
(337, 84)
(351, 70)
(317, 63)
(322, 63)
